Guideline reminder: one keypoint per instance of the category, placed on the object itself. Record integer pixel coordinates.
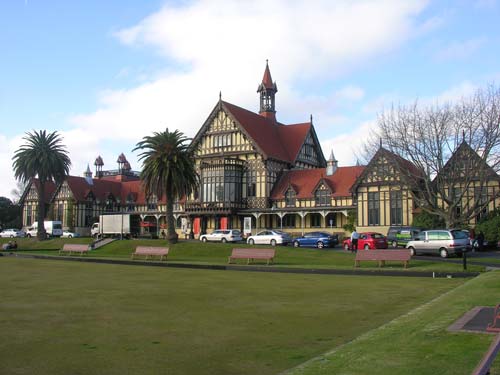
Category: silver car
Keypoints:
(222, 235)
(442, 242)
(270, 237)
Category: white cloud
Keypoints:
(213, 45)
(222, 45)
(347, 147)
(9, 146)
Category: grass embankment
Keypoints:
(418, 343)
(85, 318)
(216, 253)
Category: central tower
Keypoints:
(267, 90)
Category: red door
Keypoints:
(196, 225)
(223, 222)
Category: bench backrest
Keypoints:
(254, 253)
(75, 247)
(383, 255)
(148, 250)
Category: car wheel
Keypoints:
(223, 240)
(296, 244)
(28, 235)
(394, 244)
(320, 245)
(346, 247)
(11, 236)
(443, 253)
(204, 239)
(70, 236)
(273, 242)
(366, 247)
(251, 241)
(413, 252)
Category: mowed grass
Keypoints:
(85, 318)
(196, 252)
(418, 342)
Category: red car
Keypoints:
(368, 241)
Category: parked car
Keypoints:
(400, 235)
(441, 241)
(11, 233)
(368, 241)
(222, 235)
(317, 239)
(67, 234)
(270, 237)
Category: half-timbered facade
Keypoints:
(255, 173)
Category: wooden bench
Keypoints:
(381, 256)
(150, 251)
(495, 325)
(74, 249)
(252, 254)
(483, 367)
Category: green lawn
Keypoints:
(85, 318)
(418, 343)
(216, 253)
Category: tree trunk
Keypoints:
(172, 236)
(40, 233)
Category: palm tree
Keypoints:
(168, 168)
(42, 156)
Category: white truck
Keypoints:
(53, 228)
(111, 225)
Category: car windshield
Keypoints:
(236, 232)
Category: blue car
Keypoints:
(316, 239)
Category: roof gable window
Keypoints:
(152, 202)
(290, 197)
(322, 196)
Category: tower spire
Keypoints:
(267, 90)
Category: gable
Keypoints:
(221, 134)
(32, 193)
(465, 163)
(380, 170)
(63, 192)
(310, 151)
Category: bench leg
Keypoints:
(356, 263)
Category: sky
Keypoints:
(104, 74)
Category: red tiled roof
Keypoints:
(267, 81)
(275, 140)
(102, 188)
(306, 180)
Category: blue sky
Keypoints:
(107, 73)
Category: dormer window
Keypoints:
(152, 202)
(322, 197)
(290, 198)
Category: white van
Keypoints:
(53, 229)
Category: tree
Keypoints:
(454, 151)
(10, 214)
(44, 157)
(168, 168)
